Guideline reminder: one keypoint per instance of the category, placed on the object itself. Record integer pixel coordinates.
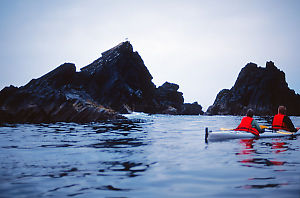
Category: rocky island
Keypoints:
(118, 82)
(261, 88)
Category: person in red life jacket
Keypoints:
(248, 124)
(282, 121)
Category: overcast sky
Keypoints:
(199, 45)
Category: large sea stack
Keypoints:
(117, 82)
(262, 89)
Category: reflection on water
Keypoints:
(269, 184)
(247, 147)
(257, 186)
(265, 162)
(145, 156)
(94, 151)
(264, 154)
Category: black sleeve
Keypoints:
(289, 124)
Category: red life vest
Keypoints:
(278, 122)
(245, 125)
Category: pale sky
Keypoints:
(200, 45)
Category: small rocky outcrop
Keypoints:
(262, 89)
(117, 82)
(169, 98)
(191, 109)
(171, 101)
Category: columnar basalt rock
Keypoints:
(262, 89)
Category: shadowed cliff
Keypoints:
(262, 89)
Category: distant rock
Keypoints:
(168, 96)
(191, 109)
(117, 82)
(172, 102)
(262, 89)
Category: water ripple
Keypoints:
(145, 156)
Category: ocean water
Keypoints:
(146, 156)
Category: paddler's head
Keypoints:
(250, 113)
(282, 110)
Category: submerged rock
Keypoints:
(117, 82)
(262, 89)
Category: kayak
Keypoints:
(231, 134)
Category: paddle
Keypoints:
(282, 132)
(261, 126)
(265, 127)
(285, 132)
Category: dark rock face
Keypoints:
(262, 89)
(191, 109)
(51, 98)
(116, 82)
(120, 78)
(168, 96)
(171, 101)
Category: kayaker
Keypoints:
(282, 121)
(248, 124)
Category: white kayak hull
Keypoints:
(227, 135)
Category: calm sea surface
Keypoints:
(148, 156)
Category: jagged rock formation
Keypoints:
(52, 98)
(262, 89)
(117, 82)
(119, 78)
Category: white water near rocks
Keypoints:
(152, 156)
